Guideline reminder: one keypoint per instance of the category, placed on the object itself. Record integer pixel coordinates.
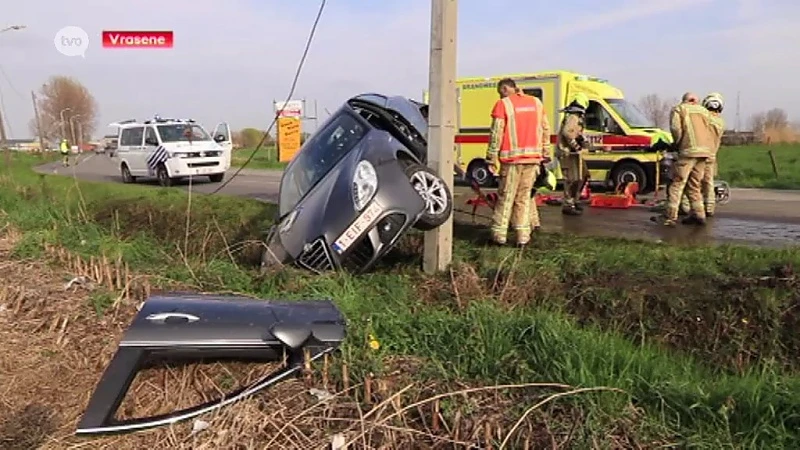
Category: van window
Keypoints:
(535, 92)
(150, 137)
(599, 120)
(132, 136)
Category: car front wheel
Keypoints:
(216, 178)
(163, 176)
(434, 192)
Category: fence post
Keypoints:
(774, 164)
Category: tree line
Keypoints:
(657, 110)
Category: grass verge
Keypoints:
(700, 342)
(265, 158)
(750, 166)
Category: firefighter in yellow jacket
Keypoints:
(569, 151)
(694, 134)
(514, 154)
(714, 103)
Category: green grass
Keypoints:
(703, 340)
(750, 167)
(265, 158)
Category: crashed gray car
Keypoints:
(356, 186)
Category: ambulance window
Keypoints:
(535, 92)
(598, 119)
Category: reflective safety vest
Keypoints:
(64, 147)
(521, 141)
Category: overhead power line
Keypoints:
(288, 98)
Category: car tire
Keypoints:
(434, 192)
(478, 171)
(163, 176)
(628, 172)
(216, 178)
(127, 178)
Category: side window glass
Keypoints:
(150, 137)
(125, 138)
(534, 92)
(595, 117)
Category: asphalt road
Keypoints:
(753, 216)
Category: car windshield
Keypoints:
(317, 157)
(182, 133)
(630, 113)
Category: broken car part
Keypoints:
(175, 327)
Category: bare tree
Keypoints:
(656, 109)
(758, 122)
(67, 108)
(776, 119)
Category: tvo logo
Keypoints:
(72, 41)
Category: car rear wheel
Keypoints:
(216, 178)
(434, 192)
(126, 175)
(163, 176)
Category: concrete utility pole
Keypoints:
(38, 121)
(441, 122)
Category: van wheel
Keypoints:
(434, 192)
(163, 177)
(629, 172)
(127, 178)
(216, 178)
(478, 171)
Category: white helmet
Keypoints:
(714, 102)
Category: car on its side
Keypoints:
(356, 186)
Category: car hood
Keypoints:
(327, 209)
(197, 145)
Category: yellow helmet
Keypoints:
(714, 102)
(581, 100)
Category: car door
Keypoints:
(222, 136)
(150, 145)
(135, 149)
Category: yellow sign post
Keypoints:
(289, 133)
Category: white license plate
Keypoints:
(357, 228)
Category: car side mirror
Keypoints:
(219, 138)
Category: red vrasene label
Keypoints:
(138, 39)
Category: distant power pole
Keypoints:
(738, 111)
(441, 122)
(38, 121)
(3, 137)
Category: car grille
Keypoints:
(359, 255)
(316, 257)
(203, 164)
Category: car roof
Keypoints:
(130, 123)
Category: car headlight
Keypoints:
(365, 184)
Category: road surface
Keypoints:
(753, 216)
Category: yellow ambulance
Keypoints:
(626, 146)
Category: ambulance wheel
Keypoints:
(127, 178)
(216, 178)
(629, 172)
(478, 171)
(163, 176)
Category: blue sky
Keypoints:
(233, 57)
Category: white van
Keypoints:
(171, 149)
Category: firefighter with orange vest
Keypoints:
(515, 154)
